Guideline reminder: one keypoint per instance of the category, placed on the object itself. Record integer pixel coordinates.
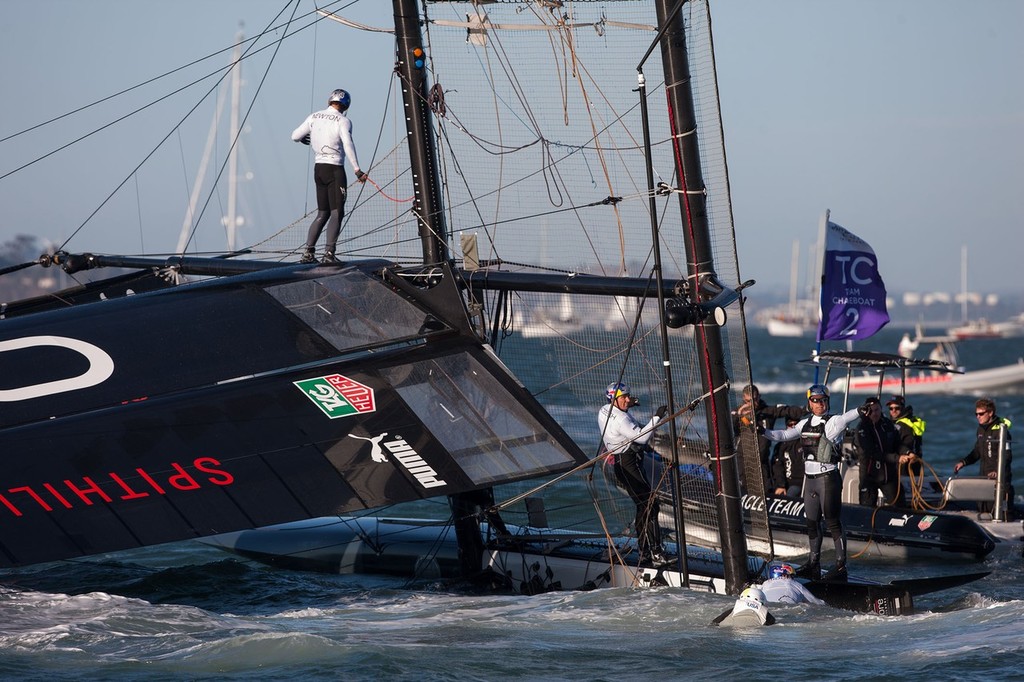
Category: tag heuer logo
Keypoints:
(338, 396)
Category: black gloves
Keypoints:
(760, 429)
(660, 412)
(305, 140)
(361, 176)
(864, 410)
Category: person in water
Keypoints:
(329, 133)
(821, 436)
(781, 587)
(626, 440)
(986, 450)
(750, 610)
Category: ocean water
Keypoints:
(186, 611)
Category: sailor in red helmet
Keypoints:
(626, 439)
(782, 588)
(821, 436)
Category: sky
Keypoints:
(904, 118)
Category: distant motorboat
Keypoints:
(982, 329)
(884, 373)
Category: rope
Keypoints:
(386, 195)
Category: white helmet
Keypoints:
(754, 593)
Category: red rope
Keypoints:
(385, 194)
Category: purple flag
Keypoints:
(852, 291)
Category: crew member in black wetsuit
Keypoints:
(877, 443)
(821, 436)
(910, 428)
(788, 466)
(752, 417)
(986, 449)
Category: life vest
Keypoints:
(813, 444)
(991, 438)
(916, 424)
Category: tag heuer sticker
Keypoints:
(338, 396)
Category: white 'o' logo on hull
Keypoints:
(101, 366)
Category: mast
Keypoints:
(794, 272)
(232, 220)
(411, 60)
(963, 284)
(700, 265)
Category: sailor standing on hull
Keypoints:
(329, 134)
(821, 436)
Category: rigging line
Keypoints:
(226, 70)
(241, 127)
(524, 103)
(144, 160)
(312, 104)
(137, 86)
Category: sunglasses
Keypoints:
(818, 401)
(982, 414)
(894, 408)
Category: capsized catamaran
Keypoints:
(292, 392)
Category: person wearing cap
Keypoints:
(329, 134)
(877, 443)
(752, 417)
(626, 440)
(821, 436)
(991, 427)
(910, 429)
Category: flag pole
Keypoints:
(821, 288)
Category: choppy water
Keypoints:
(187, 611)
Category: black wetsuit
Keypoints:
(878, 447)
(986, 449)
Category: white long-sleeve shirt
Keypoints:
(787, 591)
(619, 429)
(835, 427)
(330, 137)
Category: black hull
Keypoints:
(540, 561)
(886, 532)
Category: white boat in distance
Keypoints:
(883, 373)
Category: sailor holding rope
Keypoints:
(626, 440)
(329, 134)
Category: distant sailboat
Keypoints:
(800, 316)
(973, 329)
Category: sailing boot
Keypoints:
(838, 573)
(307, 256)
(811, 570)
(328, 257)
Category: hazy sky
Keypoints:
(904, 117)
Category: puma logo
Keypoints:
(377, 453)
